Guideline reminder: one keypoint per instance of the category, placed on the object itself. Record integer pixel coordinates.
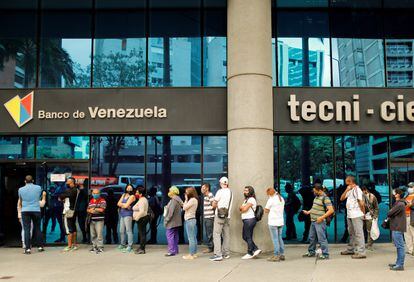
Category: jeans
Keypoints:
(209, 227)
(172, 239)
(276, 235)
(248, 228)
(367, 229)
(221, 232)
(126, 226)
(398, 239)
(96, 229)
(27, 219)
(317, 233)
(356, 235)
(191, 228)
(142, 231)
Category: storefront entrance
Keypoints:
(51, 177)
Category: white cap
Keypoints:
(411, 184)
(224, 180)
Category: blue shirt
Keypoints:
(30, 196)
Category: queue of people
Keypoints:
(135, 207)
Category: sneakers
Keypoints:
(121, 247)
(67, 249)
(99, 251)
(358, 256)
(397, 268)
(127, 250)
(226, 256)
(27, 252)
(216, 258)
(309, 255)
(274, 259)
(93, 250)
(189, 257)
(75, 248)
(247, 256)
(169, 255)
(282, 257)
(257, 252)
(40, 249)
(323, 257)
(347, 253)
(206, 251)
(139, 252)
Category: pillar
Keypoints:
(250, 110)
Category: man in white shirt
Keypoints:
(221, 230)
(355, 218)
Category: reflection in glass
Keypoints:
(16, 148)
(215, 61)
(174, 61)
(214, 160)
(302, 3)
(399, 54)
(364, 157)
(62, 147)
(119, 62)
(304, 62)
(304, 160)
(358, 62)
(402, 160)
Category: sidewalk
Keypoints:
(53, 265)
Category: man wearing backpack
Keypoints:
(372, 212)
(355, 208)
(320, 212)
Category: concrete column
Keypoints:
(250, 110)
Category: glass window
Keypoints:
(399, 48)
(16, 148)
(398, 4)
(18, 49)
(174, 46)
(356, 3)
(304, 160)
(303, 49)
(65, 50)
(215, 160)
(301, 3)
(215, 43)
(62, 147)
(364, 157)
(402, 160)
(120, 46)
(357, 49)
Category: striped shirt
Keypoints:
(318, 208)
(96, 204)
(208, 207)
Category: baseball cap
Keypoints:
(224, 180)
(175, 190)
(411, 184)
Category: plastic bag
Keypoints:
(375, 232)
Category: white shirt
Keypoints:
(352, 206)
(250, 212)
(223, 197)
(276, 206)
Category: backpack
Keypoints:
(329, 219)
(296, 204)
(258, 213)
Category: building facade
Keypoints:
(160, 93)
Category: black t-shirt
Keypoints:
(70, 193)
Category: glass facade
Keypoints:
(105, 43)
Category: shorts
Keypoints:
(70, 224)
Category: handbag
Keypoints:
(71, 213)
(375, 232)
(224, 212)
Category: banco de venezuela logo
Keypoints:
(21, 109)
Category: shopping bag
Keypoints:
(375, 232)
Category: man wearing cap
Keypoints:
(409, 212)
(221, 230)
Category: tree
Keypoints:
(114, 146)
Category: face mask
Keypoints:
(393, 192)
(410, 190)
(96, 196)
(137, 196)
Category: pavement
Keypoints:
(112, 265)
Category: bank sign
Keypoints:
(107, 111)
(339, 110)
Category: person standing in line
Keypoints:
(29, 196)
(190, 208)
(141, 216)
(221, 231)
(274, 208)
(155, 205)
(70, 199)
(398, 226)
(292, 207)
(247, 210)
(173, 220)
(111, 218)
(125, 212)
(372, 212)
(321, 210)
(42, 203)
(208, 216)
(409, 212)
(96, 211)
(81, 212)
(355, 213)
